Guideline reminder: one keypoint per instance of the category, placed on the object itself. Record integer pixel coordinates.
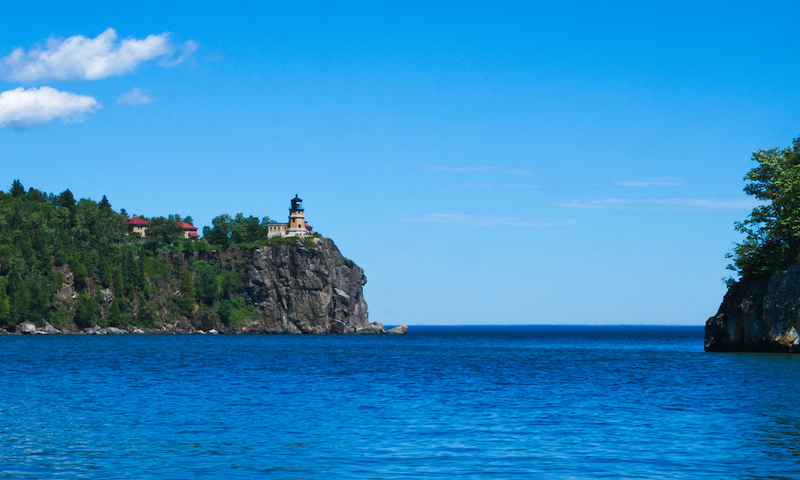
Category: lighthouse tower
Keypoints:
(297, 221)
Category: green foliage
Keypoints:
(188, 299)
(5, 310)
(227, 231)
(21, 301)
(228, 284)
(41, 233)
(119, 282)
(17, 190)
(165, 230)
(78, 270)
(87, 311)
(206, 283)
(233, 311)
(772, 231)
(114, 314)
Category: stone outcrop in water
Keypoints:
(758, 315)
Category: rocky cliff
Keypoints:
(306, 290)
(293, 286)
(758, 315)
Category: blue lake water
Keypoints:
(440, 402)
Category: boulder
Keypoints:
(51, 329)
(399, 330)
(115, 331)
(372, 328)
(27, 327)
(213, 331)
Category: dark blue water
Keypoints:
(472, 402)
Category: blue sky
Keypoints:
(559, 162)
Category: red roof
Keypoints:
(186, 226)
(309, 227)
(194, 235)
(136, 221)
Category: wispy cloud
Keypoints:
(137, 96)
(82, 58)
(499, 185)
(20, 108)
(674, 203)
(652, 182)
(481, 221)
(502, 169)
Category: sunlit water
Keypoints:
(472, 402)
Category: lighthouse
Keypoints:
(297, 221)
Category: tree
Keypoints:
(5, 311)
(79, 272)
(21, 301)
(119, 282)
(165, 230)
(87, 309)
(772, 231)
(114, 313)
(206, 283)
(228, 284)
(66, 199)
(17, 190)
(188, 299)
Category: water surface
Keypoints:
(440, 402)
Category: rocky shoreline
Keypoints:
(758, 315)
(29, 328)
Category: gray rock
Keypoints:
(27, 327)
(115, 331)
(758, 315)
(108, 297)
(371, 329)
(213, 331)
(399, 330)
(51, 329)
(306, 290)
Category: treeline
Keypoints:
(772, 230)
(43, 237)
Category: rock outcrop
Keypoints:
(306, 290)
(758, 315)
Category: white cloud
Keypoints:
(137, 96)
(481, 221)
(653, 181)
(20, 108)
(674, 203)
(84, 58)
(501, 169)
(499, 185)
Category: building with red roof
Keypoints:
(190, 231)
(138, 225)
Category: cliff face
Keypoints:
(758, 315)
(304, 290)
(304, 287)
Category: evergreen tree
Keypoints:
(21, 301)
(187, 300)
(119, 282)
(79, 272)
(17, 190)
(5, 311)
(114, 314)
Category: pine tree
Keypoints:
(21, 301)
(113, 314)
(119, 282)
(186, 302)
(5, 311)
